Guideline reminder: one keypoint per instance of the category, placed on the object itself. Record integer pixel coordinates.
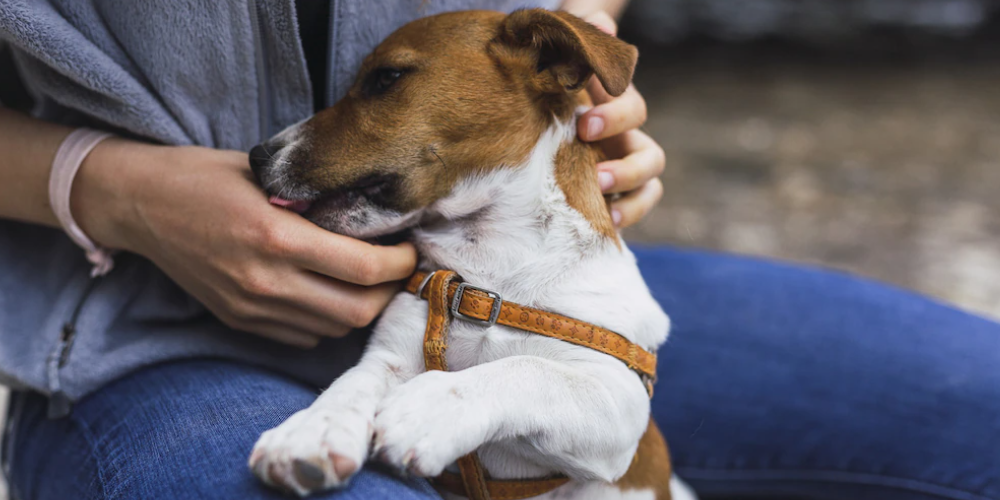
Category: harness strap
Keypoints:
(473, 477)
(438, 319)
(485, 307)
(502, 489)
(445, 293)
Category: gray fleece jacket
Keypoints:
(217, 73)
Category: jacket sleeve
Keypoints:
(66, 54)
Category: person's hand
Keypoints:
(636, 160)
(198, 215)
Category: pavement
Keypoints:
(885, 166)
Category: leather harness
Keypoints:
(448, 296)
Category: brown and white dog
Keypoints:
(462, 126)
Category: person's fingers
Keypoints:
(282, 333)
(336, 303)
(306, 320)
(341, 257)
(597, 93)
(263, 326)
(274, 320)
(603, 21)
(643, 161)
(635, 205)
(626, 112)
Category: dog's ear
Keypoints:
(567, 51)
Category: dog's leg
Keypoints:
(322, 446)
(584, 420)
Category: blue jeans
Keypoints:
(776, 382)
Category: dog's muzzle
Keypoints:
(261, 158)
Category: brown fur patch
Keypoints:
(651, 468)
(576, 174)
(569, 50)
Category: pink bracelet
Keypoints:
(73, 150)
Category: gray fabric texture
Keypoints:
(217, 73)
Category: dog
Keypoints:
(461, 128)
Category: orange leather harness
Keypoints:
(447, 296)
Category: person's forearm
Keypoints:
(99, 199)
(28, 146)
(196, 213)
(584, 7)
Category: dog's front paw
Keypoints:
(314, 450)
(427, 423)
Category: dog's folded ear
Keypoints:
(567, 51)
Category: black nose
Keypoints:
(260, 159)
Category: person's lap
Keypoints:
(776, 380)
(181, 430)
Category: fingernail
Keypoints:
(616, 217)
(606, 180)
(594, 127)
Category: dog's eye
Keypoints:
(382, 80)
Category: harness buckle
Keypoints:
(494, 311)
(648, 381)
(423, 284)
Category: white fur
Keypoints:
(532, 405)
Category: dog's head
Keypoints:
(442, 98)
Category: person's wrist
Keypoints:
(104, 195)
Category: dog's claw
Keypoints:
(407, 458)
(255, 457)
(379, 443)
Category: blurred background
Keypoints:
(861, 135)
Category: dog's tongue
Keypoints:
(295, 206)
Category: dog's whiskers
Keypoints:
(433, 151)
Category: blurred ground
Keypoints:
(878, 160)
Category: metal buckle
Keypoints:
(423, 284)
(494, 311)
(648, 381)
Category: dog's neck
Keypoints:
(515, 231)
(495, 228)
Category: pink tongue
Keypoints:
(295, 206)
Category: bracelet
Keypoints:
(73, 150)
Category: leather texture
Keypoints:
(477, 305)
(502, 490)
(439, 289)
(473, 477)
(438, 319)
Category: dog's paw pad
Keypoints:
(308, 475)
(312, 451)
(343, 466)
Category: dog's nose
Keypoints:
(260, 159)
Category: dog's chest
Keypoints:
(618, 301)
(470, 345)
